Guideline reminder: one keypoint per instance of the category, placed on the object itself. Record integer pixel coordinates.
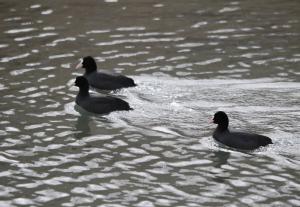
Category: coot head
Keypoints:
(221, 119)
(81, 82)
(88, 63)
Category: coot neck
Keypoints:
(84, 91)
(90, 70)
(222, 126)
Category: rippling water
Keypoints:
(190, 59)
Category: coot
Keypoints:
(235, 139)
(98, 105)
(102, 80)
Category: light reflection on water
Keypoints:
(189, 59)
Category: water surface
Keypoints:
(189, 59)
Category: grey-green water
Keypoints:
(190, 58)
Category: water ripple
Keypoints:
(55, 42)
(189, 60)
(146, 40)
(13, 31)
(8, 59)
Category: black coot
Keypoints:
(238, 140)
(99, 105)
(101, 80)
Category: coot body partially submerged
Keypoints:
(95, 104)
(102, 80)
(236, 139)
